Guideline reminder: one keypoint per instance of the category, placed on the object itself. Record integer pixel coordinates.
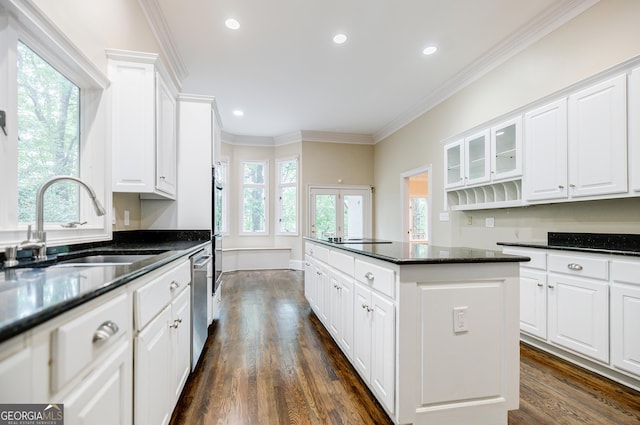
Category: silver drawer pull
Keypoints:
(540, 285)
(574, 266)
(551, 286)
(104, 332)
(175, 324)
(174, 285)
(369, 276)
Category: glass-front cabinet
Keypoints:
(477, 158)
(506, 148)
(454, 168)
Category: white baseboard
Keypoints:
(296, 265)
(268, 258)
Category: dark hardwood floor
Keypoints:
(270, 361)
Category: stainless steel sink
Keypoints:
(103, 260)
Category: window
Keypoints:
(287, 206)
(48, 138)
(340, 212)
(222, 198)
(254, 198)
(56, 117)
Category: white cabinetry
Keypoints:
(477, 162)
(598, 139)
(546, 152)
(625, 316)
(341, 316)
(634, 130)
(162, 345)
(577, 148)
(144, 125)
(454, 164)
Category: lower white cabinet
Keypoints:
(579, 315)
(533, 302)
(104, 397)
(162, 361)
(374, 343)
(625, 316)
(341, 311)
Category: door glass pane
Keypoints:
(325, 224)
(476, 158)
(453, 164)
(254, 210)
(506, 149)
(288, 210)
(353, 217)
(418, 211)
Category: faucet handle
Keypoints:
(10, 254)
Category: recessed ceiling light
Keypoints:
(238, 113)
(429, 50)
(339, 38)
(232, 24)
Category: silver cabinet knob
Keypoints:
(174, 285)
(574, 266)
(104, 332)
(540, 285)
(369, 276)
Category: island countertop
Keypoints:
(404, 253)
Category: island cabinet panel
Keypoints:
(625, 316)
(394, 320)
(448, 354)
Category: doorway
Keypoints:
(416, 202)
(343, 212)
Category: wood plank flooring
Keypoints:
(270, 361)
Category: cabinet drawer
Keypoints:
(77, 343)
(319, 253)
(155, 295)
(538, 258)
(379, 278)
(595, 268)
(342, 262)
(626, 271)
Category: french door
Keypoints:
(339, 212)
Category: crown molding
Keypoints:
(298, 137)
(240, 140)
(161, 31)
(545, 23)
(331, 137)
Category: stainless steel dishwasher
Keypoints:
(200, 269)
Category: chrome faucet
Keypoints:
(37, 242)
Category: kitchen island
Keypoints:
(433, 331)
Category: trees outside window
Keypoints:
(287, 205)
(255, 205)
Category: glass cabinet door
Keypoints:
(506, 141)
(477, 156)
(453, 159)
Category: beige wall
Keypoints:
(601, 37)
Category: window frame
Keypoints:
(265, 186)
(23, 21)
(279, 187)
(223, 177)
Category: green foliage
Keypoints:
(325, 215)
(49, 132)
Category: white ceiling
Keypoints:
(284, 71)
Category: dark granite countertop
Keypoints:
(405, 253)
(33, 293)
(598, 243)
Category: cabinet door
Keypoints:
(383, 350)
(579, 315)
(625, 327)
(165, 138)
(506, 148)
(181, 341)
(152, 372)
(477, 161)
(345, 331)
(322, 294)
(454, 168)
(309, 280)
(533, 302)
(362, 331)
(17, 369)
(133, 125)
(334, 315)
(598, 139)
(104, 397)
(634, 128)
(546, 147)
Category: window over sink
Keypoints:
(56, 120)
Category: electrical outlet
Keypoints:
(469, 220)
(489, 222)
(460, 319)
(126, 217)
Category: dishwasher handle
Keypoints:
(201, 262)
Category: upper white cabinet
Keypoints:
(144, 125)
(453, 162)
(598, 139)
(634, 130)
(506, 148)
(478, 163)
(546, 152)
